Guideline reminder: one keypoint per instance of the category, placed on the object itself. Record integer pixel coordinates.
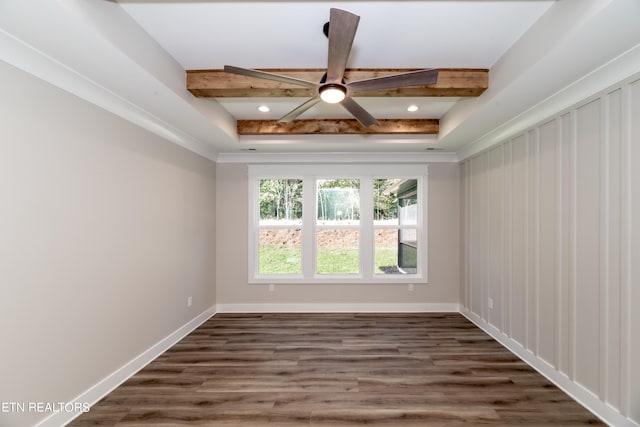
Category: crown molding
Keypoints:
(367, 157)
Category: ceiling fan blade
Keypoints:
(358, 112)
(342, 31)
(268, 76)
(293, 114)
(413, 78)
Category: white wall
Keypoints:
(105, 230)
(552, 236)
(234, 293)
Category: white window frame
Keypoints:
(309, 173)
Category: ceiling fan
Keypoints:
(332, 88)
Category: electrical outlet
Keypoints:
(189, 301)
(272, 287)
(490, 303)
(410, 287)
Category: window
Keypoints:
(337, 224)
(395, 225)
(279, 226)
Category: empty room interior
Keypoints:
(290, 213)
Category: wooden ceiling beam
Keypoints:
(337, 127)
(454, 82)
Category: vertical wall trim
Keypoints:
(565, 271)
(625, 254)
(475, 277)
(468, 233)
(507, 281)
(463, 234)
(536, 243)
(502, 227)
(484, 241)
(468, 244)
(527, 248)
(604, 246)
(558, 243)
(424, 229)
(573, 245)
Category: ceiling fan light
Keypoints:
(332, 93)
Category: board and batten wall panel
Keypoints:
(518, 241)
(552, 239)
(587, 238)
(630, 281)
(531, 307)
(475, 273)
(564, 272)
(494, 226)
(547, 230)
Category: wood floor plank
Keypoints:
(338, 369)
(404, 417)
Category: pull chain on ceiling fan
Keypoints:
(332, 88)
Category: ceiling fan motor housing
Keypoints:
(332, 93)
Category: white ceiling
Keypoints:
(130, 56)
(288, 34)
(400, 34)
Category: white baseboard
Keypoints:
(586, 398)
(340, 308)
(108, 384)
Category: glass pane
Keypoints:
(395, 201)
(280, 251)
(386, 251)
(338, 201)
(408, 202)
(385, 201)
(337, 251)
(408, 250)
(280, 201)
(408, 211)
(395, 251)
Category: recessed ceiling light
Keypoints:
(263, 109)
(412, 108)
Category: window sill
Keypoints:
(342, 280)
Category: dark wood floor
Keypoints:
(391, 370)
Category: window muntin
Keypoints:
(358, 215)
